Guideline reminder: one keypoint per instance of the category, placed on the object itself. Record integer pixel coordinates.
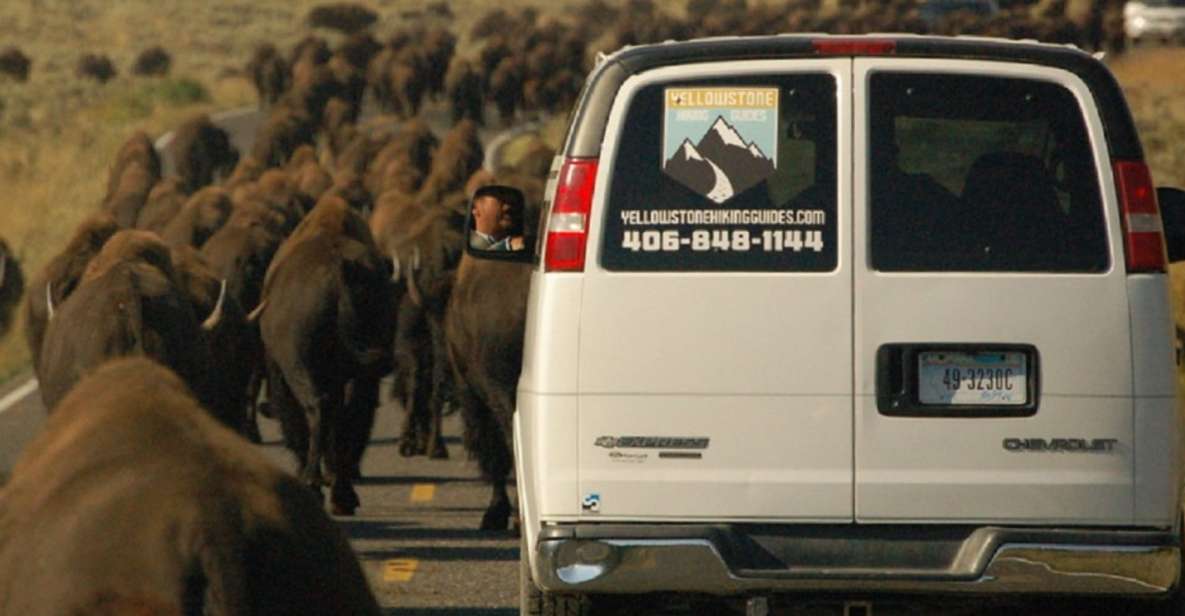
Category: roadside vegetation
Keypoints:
(59, 130)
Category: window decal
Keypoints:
(720, 142)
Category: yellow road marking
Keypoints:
(423, 492)
(400, 569)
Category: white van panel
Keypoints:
(957, 469)
(759, 363)
(550, 339)
(547, 432)
(742, 472)
(733, 334)
(1158, 461)
(1153, 363)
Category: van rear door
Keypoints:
(715, 353)
(992, 355)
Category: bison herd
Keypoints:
(288, 280)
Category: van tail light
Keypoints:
(1143, 230)
(567, 227)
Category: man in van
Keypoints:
(497, 220)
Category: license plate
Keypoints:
(989, 378)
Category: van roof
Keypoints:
(592, 112)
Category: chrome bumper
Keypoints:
(740, 559)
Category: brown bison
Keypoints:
(130, 194)
(269, 74)
(137, 150)
(234, 344)
(202, 152)
(463, 85)
(61, 275)
(286, 129)
(201, 216)
(325, 319)
(152, 61)
(484, 325)
(133, 501)
(240, 253)
(163, 202)
(423, 243)
(12, 285)
(14, 63)
(130, 301)
(95, 66)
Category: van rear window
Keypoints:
(732, 174)
(975, 173)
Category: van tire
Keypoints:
(535, 602)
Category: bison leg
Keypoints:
(358, 422)
(435, 409)
(285, 407)
(409, 367)
(497, 515)
(485, 439)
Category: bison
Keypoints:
(130, 195)
(12, 285)
(133, 501)
(423, 242)
(61, 275)
(137, 150)
(269, 74)
(325, 319)
(203, 152)
(201, 216)
(162, 204)
(14, 63)
(130, 301)
(483, 326)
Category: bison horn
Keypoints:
(254, 314)
(415, 258)
(216, 315)
(49, 298)
(396, 268)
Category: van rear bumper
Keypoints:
(730, 559)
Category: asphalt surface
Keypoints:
(416, 535)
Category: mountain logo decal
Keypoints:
(720, 142)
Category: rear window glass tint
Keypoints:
(972, 173)
(732, 174)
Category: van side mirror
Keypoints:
(495, 227)
(1172, 216)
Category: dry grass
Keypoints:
(1155, 89)
(57, 132)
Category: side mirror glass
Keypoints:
(1172, 216)
(495, 226)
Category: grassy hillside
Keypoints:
(58, 132)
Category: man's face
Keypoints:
(492, 216)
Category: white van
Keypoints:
(856, 315)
